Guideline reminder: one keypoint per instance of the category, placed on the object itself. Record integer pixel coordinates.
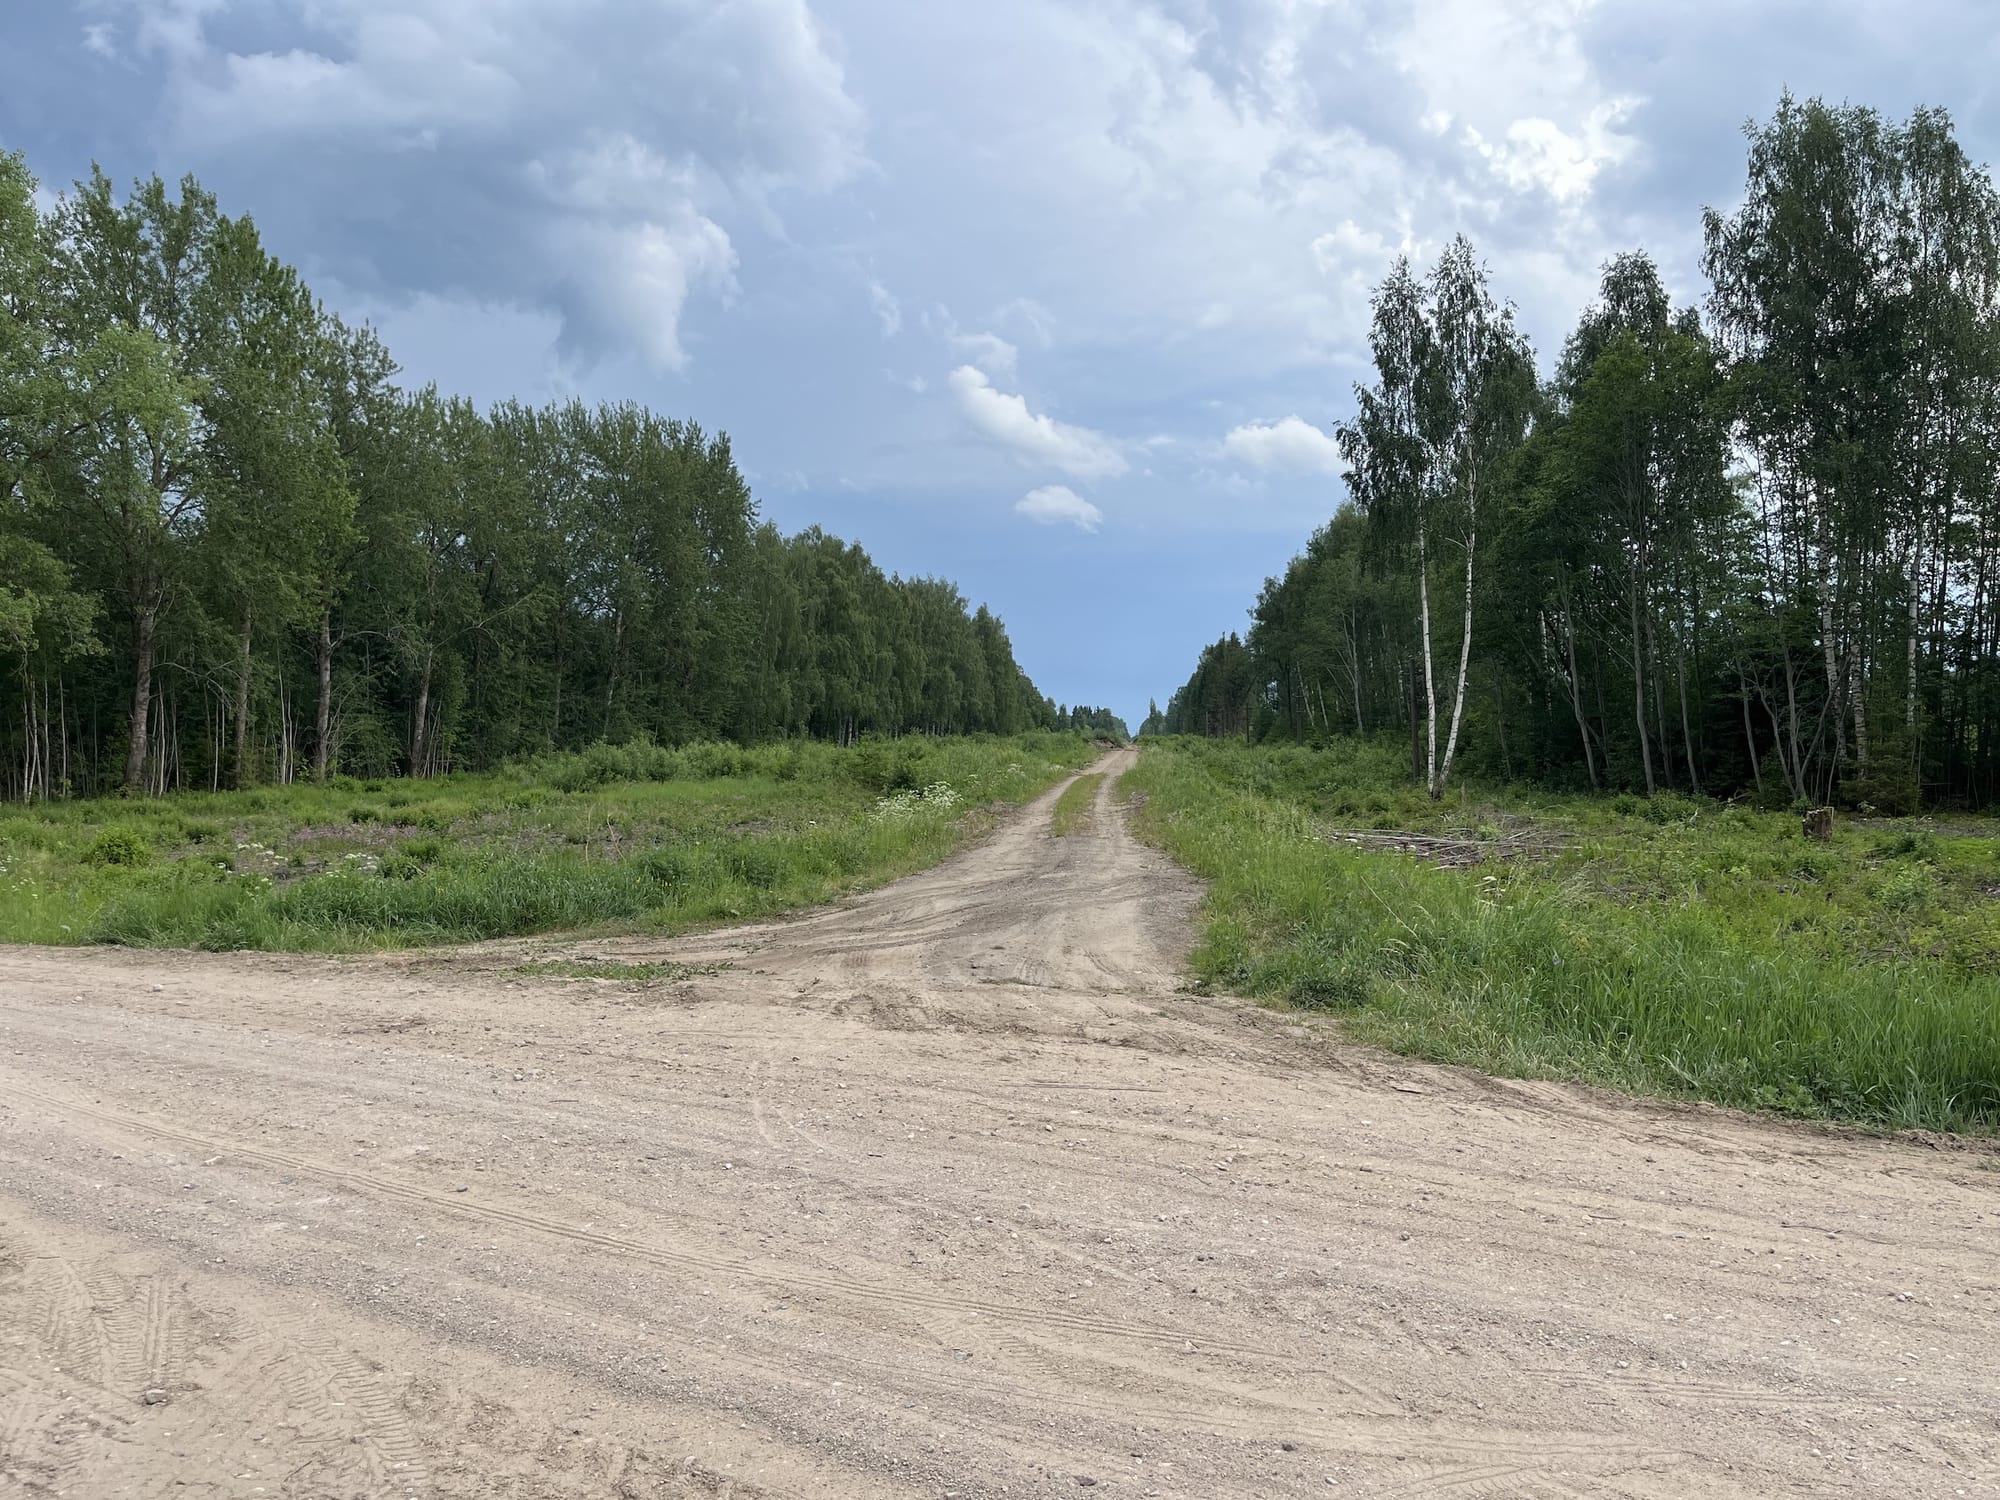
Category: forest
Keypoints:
(234, 551)
(1740, 547)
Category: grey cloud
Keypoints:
(592, 158)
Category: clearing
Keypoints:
(942, 1191)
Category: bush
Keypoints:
(708, 761)
(119, 846)
(1919, 844)
(887, 766)
(1892, 793)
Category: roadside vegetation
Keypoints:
(1073, 807)
(635, 836)
(1668, 945)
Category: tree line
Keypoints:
(1742, 546)
(233, 549)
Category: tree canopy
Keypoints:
(233, 549)
(1746, 546)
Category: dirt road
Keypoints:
(944, 1192)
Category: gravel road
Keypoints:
(945, 1191)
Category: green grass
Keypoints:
(1672, 946)
(1074, 806)
(616, 836)
(573, 968)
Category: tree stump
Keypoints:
(1819, 824)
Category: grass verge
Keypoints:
(1074, 807)
(617, 836)
(1670, 947)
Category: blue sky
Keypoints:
(1057, 300)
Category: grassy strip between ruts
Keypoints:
(1671, 947)
(1075, 805)
(632, 836)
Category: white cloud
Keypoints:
(989, 351)
(584, 156)
(1055, 504)
(888, 311)
(1288, 443)
(1538, 153)
(639, 280)
(1006, 420)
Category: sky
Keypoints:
(1058, 300)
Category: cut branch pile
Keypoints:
(1454, 853)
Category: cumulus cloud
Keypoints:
(1006, 420)
(989, 351)
(1538, 153)
(1058, 504)
(591, 156)
(1288, 443)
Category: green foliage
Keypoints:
(119, 846)
(737, 833)
(205, 479)
(1740, 547)
(1711, 954)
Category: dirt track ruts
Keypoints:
(946, 1190)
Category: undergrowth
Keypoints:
(617, 835)
(1671, 946)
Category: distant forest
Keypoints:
(1742, 547)
(233, 550)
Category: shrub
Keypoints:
(708, 761)
(887, 766)
(119, 845)
(1917, 843)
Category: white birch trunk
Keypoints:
(1464, 669)
(1431, 783)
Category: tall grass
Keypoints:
(625, 835)
(1702, 954)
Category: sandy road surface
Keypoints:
(942, 1192)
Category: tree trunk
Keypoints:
(1910, 649)
(1857, 686)
(1792, 723)
(1687, 734)
(1464, 670)
(1834, 677)
(323, 712)
(419, 735)
(611, 684)
(1430, 680)
(1575, 685)
(1639, 681)
(1661, 738)
(144, 628)
(1416, 734)
(1749, 730)
(241, 762)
